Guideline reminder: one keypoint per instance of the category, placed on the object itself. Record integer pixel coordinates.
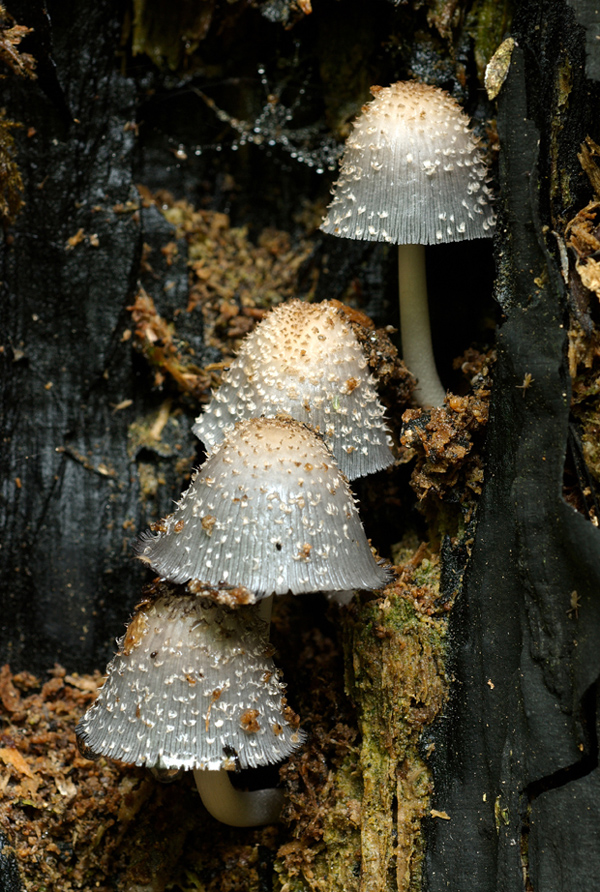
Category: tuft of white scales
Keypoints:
(305, 361)
(412, 172)
(270, 511)
(192, 686)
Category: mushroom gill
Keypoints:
(270, 511)
(304, 360)
(193, 685)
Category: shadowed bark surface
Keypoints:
(520, 746)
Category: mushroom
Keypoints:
(193, 686)
(268, 513)
(412, 174)
(304, 360)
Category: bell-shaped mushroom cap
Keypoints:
(270, 511)
(412, 172)
(305, 361)
(192, 686)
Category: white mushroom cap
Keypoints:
(305, 361)
(412, 172)
(192, 686)
(269, 510)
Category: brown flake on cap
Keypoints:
(285, 518)
(305, 361)
(193, 687)
(229, 595)
(412, 172)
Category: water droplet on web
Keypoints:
(273, 126)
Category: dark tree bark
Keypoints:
(70, 267)
(518, 760)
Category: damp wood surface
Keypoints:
(161, 188)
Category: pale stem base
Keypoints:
(237, 807)
(417, 349)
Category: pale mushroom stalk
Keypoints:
(417, 348)
(220, 798)
(412, 175)
(238, 808)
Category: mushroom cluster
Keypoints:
(270, 512)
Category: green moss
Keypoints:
(395, 676)
(488, 23)
(334, 861)
(345, 46)
(148, 432)
(341, 831)
(501, 814)
(290, 884)
(360, 817)
(560, 177)
(169, 30)
(589, 418)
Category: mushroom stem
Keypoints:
(237, 807)
(417, 349)
(265, 609)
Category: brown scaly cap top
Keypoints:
(269, 510)
(192, 686)
(304, 360)
(412, 172)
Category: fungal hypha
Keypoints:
(304, 360)
(270, 511)
(412, 174)
(193, 685)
